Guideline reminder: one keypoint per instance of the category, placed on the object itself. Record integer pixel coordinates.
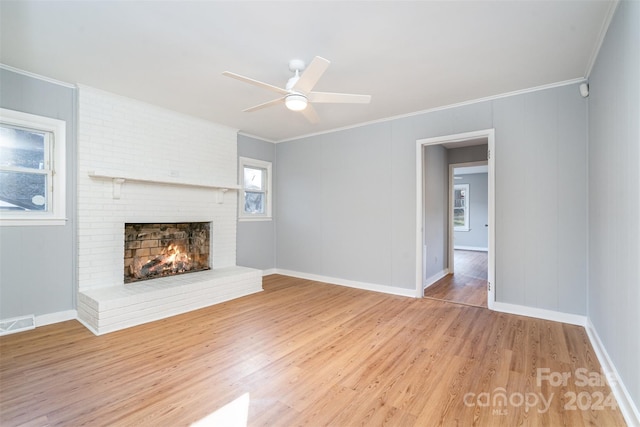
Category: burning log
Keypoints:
(172, 260)
(155, 266)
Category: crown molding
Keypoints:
(444, 107)
(37, 76)
(260, 138)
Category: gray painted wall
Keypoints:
(255, 240)
(346, 200)
(37, 263)
(614, 183)
(436, 202)
(541, 199)
(478, 235)
(335, 205)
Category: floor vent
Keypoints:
(17, 324)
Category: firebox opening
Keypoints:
(165, 249)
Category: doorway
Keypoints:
(471, 267)
(468, 226)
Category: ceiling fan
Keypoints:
(298, 94)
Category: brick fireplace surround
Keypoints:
(138, 163)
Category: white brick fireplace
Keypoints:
(144, 164)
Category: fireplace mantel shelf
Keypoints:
(118, 178)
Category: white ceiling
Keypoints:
(409, 55)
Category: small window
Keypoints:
(255, 181)
(461, 207)
(32, 172)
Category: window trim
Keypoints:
(466, 226)
(260, 164)
(57, 186)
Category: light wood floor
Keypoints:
(307, 353)
(469, 283)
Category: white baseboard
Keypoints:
(60, 316)
(540, 313)
(433, 279)
(350, 283)
(471, 248)
(88, 326)
(269, 272)
(627, 407)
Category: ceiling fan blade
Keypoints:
(264, 105)
(312, 74)
(338, 98)
(310, 114)
(255, 82)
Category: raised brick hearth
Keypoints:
(116, 307)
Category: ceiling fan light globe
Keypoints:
(296, 102)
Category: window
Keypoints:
(255, 182)
(461, 207)
(32, 169)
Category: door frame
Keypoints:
(440, 140)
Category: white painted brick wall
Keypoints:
(122, 134)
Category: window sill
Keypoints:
(29, 222)
(258, 218)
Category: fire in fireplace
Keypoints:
(161, 249)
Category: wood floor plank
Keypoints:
(305, 353)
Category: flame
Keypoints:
(173, 259)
